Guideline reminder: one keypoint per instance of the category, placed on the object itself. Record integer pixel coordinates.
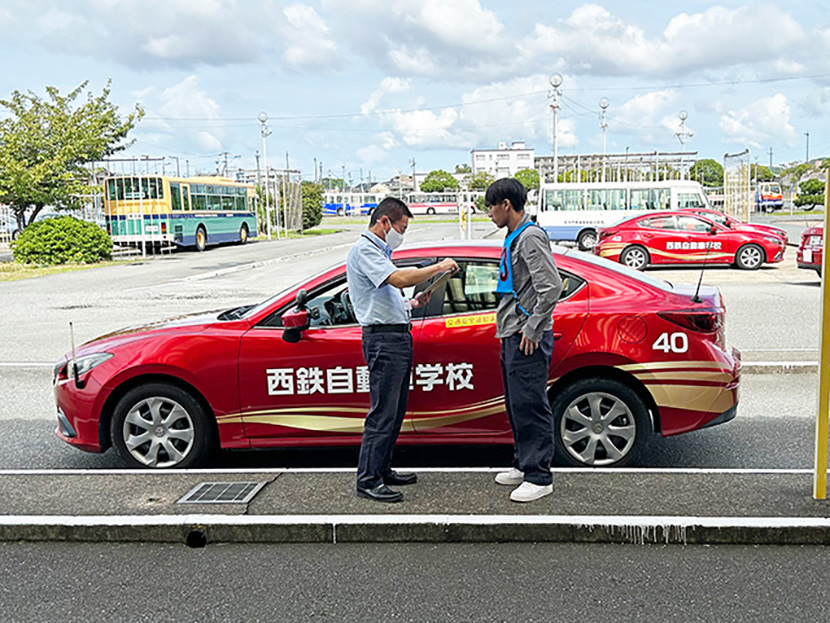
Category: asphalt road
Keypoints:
(411, 582)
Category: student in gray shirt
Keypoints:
(529, 285)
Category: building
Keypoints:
(504, 161)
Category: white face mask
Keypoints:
(394, 239)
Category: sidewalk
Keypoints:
(604, 505)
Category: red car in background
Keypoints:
(732, 223)
(677, 237)
(633, 356)
(811, 250)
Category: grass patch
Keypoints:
(13, 271)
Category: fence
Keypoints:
(736, 193)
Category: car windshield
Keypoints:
(620, 268)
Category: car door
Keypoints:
(660, 235)
(457, 387)
(316, 387)
(699, 244)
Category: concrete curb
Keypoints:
(779, 367)
(199, 530)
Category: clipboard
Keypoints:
(444, 278)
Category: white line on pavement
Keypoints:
(26, 364)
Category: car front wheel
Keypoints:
(160, 426)
(749, 257)
(635, 257)
(599, 422)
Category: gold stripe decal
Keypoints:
(469, 321)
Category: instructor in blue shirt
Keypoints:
(383, 311)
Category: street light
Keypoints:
(266, 132)
(682, 133)
(555, 82)
(603, 108)
(178, 172)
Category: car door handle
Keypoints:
(558, 335)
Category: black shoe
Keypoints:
(381, 493)
(396, 478)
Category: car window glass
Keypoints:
(693, 224)
(472, 288)
(659, 222)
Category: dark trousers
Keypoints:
(389, 357)
(525, 396)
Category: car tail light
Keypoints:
(605, 232)
(701, 320)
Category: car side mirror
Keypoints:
(296, 320)
(713, 230)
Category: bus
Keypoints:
(432, 203)
(338, 203)
(156, 210)
(768, 197)
(572, 211)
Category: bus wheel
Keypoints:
(635, 257)
(243, 234)
(201, 238)
(587, 240)
(430, 210)
(341, 212)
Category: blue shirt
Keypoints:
(375, 301)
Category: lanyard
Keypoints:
(505, 284)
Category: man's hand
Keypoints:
(448, 265)
(420, 300)
(527, 346)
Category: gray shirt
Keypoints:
(537, 285)
(375, 301)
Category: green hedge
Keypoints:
(62, 240)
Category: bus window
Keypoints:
(175, 197)
(690, 200)
(199, 202)
(606, 199)
(186, 197)
(214, 202)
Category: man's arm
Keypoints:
(413, 276)
(545, 281)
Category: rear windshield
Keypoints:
(590, 258)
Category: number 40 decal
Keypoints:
(674, 342)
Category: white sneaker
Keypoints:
(513, 477)
(527, 492)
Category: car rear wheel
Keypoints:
(587, 240)
(160, 426)
(201, 238)
(749, 257)
(599, 422)
(635, 257)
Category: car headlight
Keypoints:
(774, 240)
(86, 363)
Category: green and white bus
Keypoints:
(187, 212)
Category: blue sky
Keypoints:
(367, 85)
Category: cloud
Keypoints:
(308, 42)
(387, 85)
(815, 103)
(591, 40)
(760, 123)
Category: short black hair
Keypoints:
(506, 188)
(392, 207)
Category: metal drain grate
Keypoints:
(222, 493)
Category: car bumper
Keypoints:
(78, 414)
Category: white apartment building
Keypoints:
(504, 161)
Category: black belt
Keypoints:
(388, 328)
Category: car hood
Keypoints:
(192, 322)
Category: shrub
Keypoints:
(62, 240)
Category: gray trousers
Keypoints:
(389, 357)
(525, 396)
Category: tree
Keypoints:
(312, 204)
(437, 181)
(811, 194)
(708, 172)
(480, 181)
(529, 178)
(762, 173)
(332, 183)
(45, 143)
(463, 168)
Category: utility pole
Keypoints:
(682, 133)
(770, 158)
(414, 183)
(265, 131)
(603, 107)
(258, 175)
(555, 82)
(807, 153)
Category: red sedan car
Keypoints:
(633, 355)
(811, 250)
(732, 223)
(677, 237)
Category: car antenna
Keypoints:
(696, 298)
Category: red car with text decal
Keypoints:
(633, 355)
(677, 237)
(810, 252)
(732, 223)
